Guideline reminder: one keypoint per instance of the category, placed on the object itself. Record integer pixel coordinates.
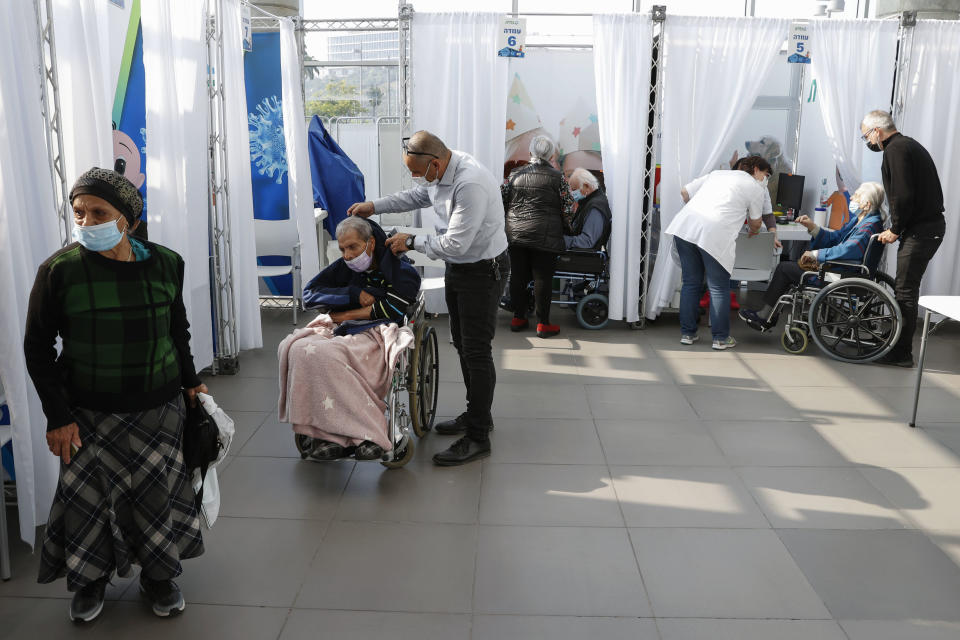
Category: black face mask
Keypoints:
(873, 146)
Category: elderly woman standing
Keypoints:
(114, 402)
(538, 206)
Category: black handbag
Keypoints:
(201, 443)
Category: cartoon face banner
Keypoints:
(129, 111)
(552, 93)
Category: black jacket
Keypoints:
(534, 207)
(913, 188)
(596, 200)
(394, 283)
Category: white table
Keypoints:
(948, 306)
(792, 231)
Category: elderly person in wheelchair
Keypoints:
(848, 243)
(335, 373)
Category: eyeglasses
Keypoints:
(406, 149)
(866, 136)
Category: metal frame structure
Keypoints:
(226, 344)
(908, 20)
(50, 109)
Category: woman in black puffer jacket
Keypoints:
(539, 207)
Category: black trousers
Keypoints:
(913, 256)
(528, 264)
(472, 293)
(786, 275)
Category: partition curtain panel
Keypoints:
(713, 71)
(240, 193)
(174, 63)
(621, 59)
(28, 236)
(459, 93)
(854, 63)
(299, 179)
(930, 117)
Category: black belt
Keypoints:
(480, 266)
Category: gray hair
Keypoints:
(542, 148)
(584, 177)
(872, 194)
(879, 120)
(425, 142)
(356, 225)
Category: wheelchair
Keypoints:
(581, 281)
(847, 308)
(412, 398)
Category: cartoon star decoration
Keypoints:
(510, 124)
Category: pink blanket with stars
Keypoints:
(333, 387)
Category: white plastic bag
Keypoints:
(210, 504)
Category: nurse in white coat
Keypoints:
(705, 234)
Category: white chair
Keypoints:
(6, 434)
(280, 238)
(756, 258)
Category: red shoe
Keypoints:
(519, 324)
(705, 300)
(547, 330)
(733, 301)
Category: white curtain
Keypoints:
(175, 67)
(86, 90)
(28, 235)
(930, 117)
(853, 61)
(621, 58)
(459, 93)
(713, 71)
(299, 180)
(242, 242)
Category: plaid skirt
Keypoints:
(124, 499)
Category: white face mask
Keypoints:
(765, 181)
(422, 180)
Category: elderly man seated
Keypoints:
(335, 373)
(847, 243)
(591, 222)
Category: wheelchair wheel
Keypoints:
(855, 320)
(794, 340)
(593, 311)
(402, 456)
(424, 378)
(304, 445)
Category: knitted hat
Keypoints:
(112, 187)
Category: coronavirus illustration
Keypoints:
(268, 150)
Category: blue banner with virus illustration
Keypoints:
(268, 150)
(129, 115)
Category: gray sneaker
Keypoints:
(686, 339)
(87, 602)
(723, 345)
(164, 596)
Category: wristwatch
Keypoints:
(409, 242)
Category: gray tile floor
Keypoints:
(638, 489)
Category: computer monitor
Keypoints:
(789, 193)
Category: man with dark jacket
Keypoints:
(916, 213)
(538, 207)
(369, 282)
(592, 221)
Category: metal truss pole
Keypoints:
(226, 348)
(404, 80)
(908, 20)
(659, 15)
(50, 109)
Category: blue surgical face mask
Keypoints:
(99, 237)
(576, 194)
(855, 207)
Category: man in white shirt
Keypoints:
(705, 234)
(470, 238)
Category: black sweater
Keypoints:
(913, 187)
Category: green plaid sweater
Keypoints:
(126, 340)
